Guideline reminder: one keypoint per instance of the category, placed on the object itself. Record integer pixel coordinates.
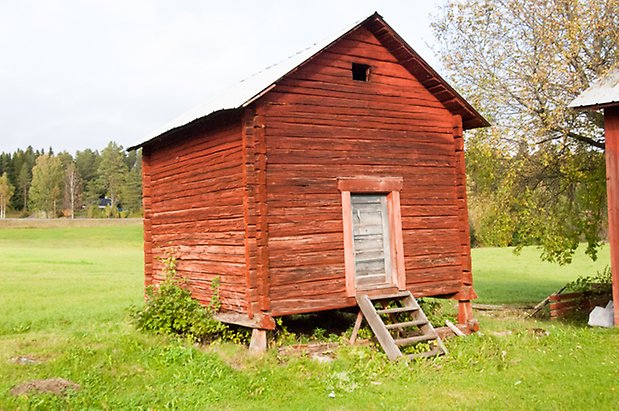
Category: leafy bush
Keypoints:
(111, 212)
(171, 310)
(437, 310)
(139, 213)
(600, 283)
(92, 211)
(282, 336)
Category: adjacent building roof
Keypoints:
(251, 89)
(603, 93)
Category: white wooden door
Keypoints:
(371, 240)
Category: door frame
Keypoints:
(391, 187)
(372, 203)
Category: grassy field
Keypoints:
(54, 278)
(502, 277)
(63, 303)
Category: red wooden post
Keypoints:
(611, 125)
(465, 311)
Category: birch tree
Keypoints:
(46, 187)
(521, 62)
(72, 187)
(6, 192)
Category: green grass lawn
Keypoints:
(502, 277)
(55, 278)
(63, 299)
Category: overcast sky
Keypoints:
(77, 74)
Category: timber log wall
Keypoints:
(321, 125)
(193, 190)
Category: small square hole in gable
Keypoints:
(360, 72)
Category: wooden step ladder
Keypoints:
(407, 325)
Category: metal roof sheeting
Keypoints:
(602, 93)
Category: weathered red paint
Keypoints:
(611, 127)
(254, 200)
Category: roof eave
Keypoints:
(594, 107)
(473, 119)
(602, 93)
(223, 116)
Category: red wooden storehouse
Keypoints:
(604, 95)
(337, 171)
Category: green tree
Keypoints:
(521, 62)
(47, 184)
(65, 158)
(131, 190)
(5, 163)
(87, 164)
(72, 183)
(6, 192)
(112, 171)
(23, 162)
(23, 184)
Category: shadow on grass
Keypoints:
(514, 291)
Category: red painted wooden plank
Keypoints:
(611, 127)
(397, 238)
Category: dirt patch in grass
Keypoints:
(311, 350)
(57, 386)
